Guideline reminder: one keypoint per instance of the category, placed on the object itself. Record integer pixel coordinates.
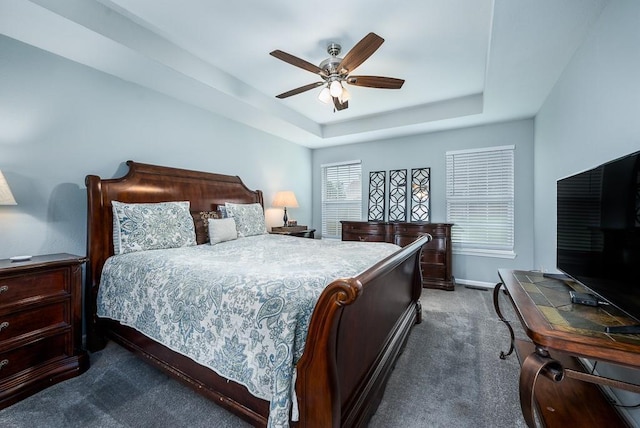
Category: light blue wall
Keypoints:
(60, 121)
(591, 116)
(428, 150)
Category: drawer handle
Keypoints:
(4, 325)
(4, 288)
(362, 238)
(3, 363)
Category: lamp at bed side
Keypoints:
(6, 197)
(285, 199)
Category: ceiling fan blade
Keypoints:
(360, 52)
(294, 60)
(376, 82)
(338, 105)
(299, 90)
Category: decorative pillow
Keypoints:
(222, 229)
(201, 221)
(153, 226)
(249, 218)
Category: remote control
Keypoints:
(623, 329)
(583, 299)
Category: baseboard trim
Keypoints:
(469, 283)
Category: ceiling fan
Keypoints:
(334, 71)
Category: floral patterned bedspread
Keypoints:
(241, 308)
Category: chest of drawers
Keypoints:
(40, 324)
(435, 261)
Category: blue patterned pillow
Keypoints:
(140, 227)
(249, 218)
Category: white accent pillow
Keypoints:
(222, 229)
(249, 218)
(152, 226)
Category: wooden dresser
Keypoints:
(40, 324)
(436, 255)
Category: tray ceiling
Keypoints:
(465, 62)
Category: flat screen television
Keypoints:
(598, 231)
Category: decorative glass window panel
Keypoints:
(398, 195)
(420, 194)
(377, 187)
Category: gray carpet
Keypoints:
(448, 376)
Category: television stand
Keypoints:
(552, 379)
(559, 276)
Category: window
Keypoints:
(480, 200)
(341, 196)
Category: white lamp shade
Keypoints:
(346, 96)
(285, 198)
(336, 89)
(6, 197)
(325, 95)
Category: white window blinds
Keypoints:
(341, 196)
(480, 199)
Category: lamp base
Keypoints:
(285, 218)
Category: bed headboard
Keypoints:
(151, 183)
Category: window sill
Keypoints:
(486, 253)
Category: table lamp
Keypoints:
(285, 199)
(6, 197)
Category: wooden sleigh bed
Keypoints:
(357, 330)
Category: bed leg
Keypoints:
(418, 312)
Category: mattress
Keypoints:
(241, 307)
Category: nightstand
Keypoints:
(300, 231)
(40, 324)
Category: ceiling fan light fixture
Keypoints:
(336, 89)
(325, 95)
(335, 70)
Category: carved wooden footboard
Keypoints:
(357, 330)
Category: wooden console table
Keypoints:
(560, 333)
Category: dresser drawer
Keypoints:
(430, 256)
(411, 228)
(13, 325)
(437, 244)
(431, 271)
(440, 231)
(363, 238)
(31, 355)
(363, 227)
(18, 288)
(404, 240)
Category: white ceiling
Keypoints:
(465, 62)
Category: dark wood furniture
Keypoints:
(357, 330)
(552, 377)
(300, 231)
(40, 324)
(436, 258)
